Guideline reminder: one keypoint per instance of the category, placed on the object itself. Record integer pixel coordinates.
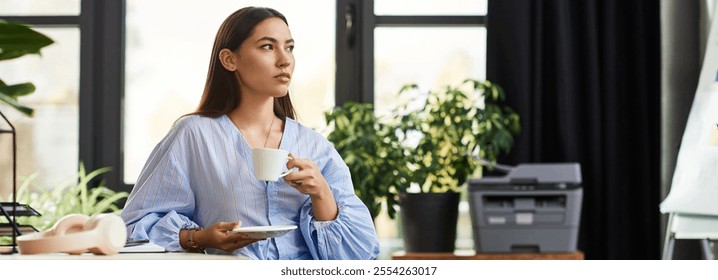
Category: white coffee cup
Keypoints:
(268, 163)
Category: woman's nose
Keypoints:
(285, 59)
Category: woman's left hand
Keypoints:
(308, 180)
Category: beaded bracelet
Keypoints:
(192, 246)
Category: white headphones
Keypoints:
(101, 234)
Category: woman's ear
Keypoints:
(228, 60)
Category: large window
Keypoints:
(168, 43)
(404, 55)
(144, 64)
(39, 7)
(47, 143)
(390, 43)
(430, 7)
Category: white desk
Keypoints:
(124, 256)
(147, 265)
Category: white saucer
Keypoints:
(263, 232)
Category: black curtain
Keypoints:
(584, 75)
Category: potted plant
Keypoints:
(450, 129)
(372, 151)
(430, 146)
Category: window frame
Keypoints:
(356, 22)
(355, 62)
(102, 64)
(101, 26)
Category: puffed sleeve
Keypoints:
(162, 202)
(351, 235)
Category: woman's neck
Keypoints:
(255, 118)
(253, 114)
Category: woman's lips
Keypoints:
(284, 77)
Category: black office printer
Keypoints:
(534, 208)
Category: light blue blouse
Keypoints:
(201, 173)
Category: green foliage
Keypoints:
(72, 196)
(453, 129)
(373, 153)
(17, 40)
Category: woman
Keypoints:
(199, 176)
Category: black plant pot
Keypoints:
(429, 221)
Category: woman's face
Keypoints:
(265, 60)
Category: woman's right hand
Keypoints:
(218, 236)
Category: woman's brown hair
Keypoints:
(221, 90)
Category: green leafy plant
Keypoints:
(373, 153)
(447, 131)
(17, 40)
(71, 196)
(453, 128)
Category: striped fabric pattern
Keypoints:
(201, 173)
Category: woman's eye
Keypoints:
(290, 48)
(267, 47)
